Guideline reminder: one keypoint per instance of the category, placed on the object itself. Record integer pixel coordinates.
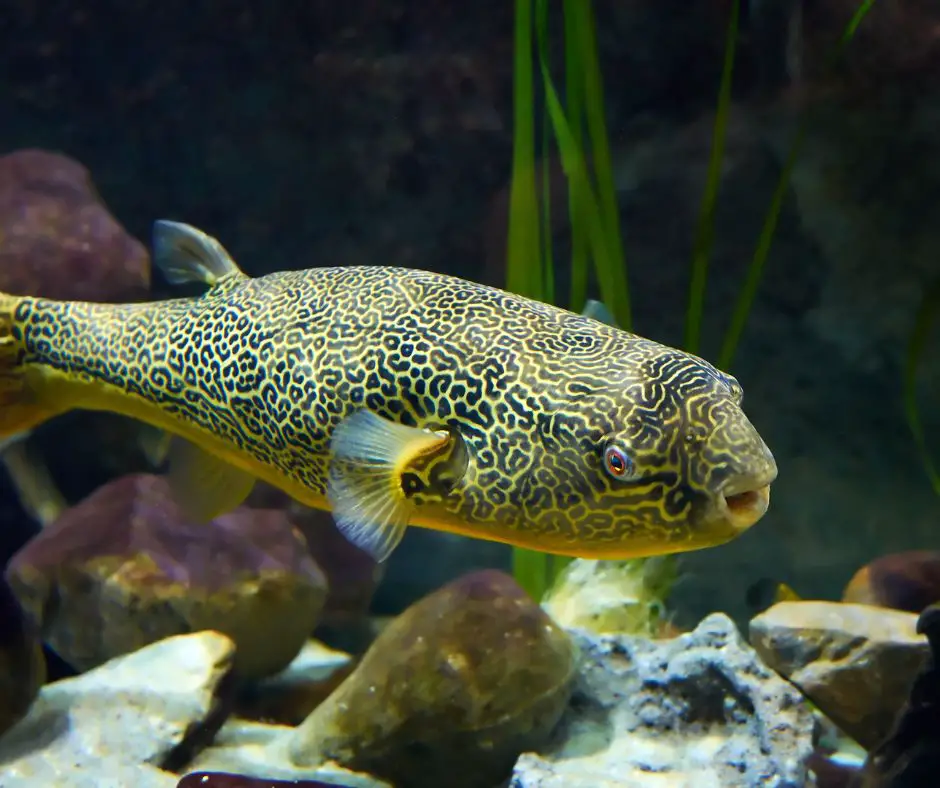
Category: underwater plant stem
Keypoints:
(574, 100)
(611, 265)
(755, 270)
(523, 272)
(927, 314)
(705, 232)
(38, 493)
(548, 265)
(611, 276)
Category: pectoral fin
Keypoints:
(370, 454)
(203, 485)
(186, 254)
(597, 310)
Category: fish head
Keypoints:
(658, 458)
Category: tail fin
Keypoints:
(20, 409)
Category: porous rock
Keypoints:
(855, 662)
(118, 724)
(449, 693)
(125, 568)
(698, 710)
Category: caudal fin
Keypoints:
(20, 408)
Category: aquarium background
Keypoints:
(320, 133)
(323, 133)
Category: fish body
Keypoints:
(398, 397)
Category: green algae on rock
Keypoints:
(124, 568)
(627, 597)
(450, 693)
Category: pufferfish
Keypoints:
(396, 397)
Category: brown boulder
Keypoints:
(124, 568)
(450, 693)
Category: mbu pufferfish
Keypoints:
(397, 397)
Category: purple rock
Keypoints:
(125, 568)
(59, 239)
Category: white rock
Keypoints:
(259, 750)
(113, 726)
(699, 711)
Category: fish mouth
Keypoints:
(741, 508)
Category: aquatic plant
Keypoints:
(927, 314)
(593, 211)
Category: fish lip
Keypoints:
(742, 508)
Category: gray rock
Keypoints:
(113, 726)
(259, 750)
(699, 710)
(855, 662)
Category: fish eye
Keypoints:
(618, 463)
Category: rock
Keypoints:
(59, 239)
(352, 574)
(449, 693)
(909, 757)
(124, 722)
(855, 662)
(700, 710)
(613, 596)
(289, 696)
(125, 568)
(225, 780)
(256, 750)
(904, 581)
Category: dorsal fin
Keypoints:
(186, 254)
(597, 310)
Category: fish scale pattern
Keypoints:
(533, 394)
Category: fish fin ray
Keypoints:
(597, 310)
(184, 253)
(205, 486)
(370, 454)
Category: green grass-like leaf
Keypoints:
(705, 232)
(523, 274)
(927, 314)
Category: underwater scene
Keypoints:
(433, 394)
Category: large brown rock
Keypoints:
(909, 581)
(450, 693)
(855, 662)
(58, 239)
(124, 568)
